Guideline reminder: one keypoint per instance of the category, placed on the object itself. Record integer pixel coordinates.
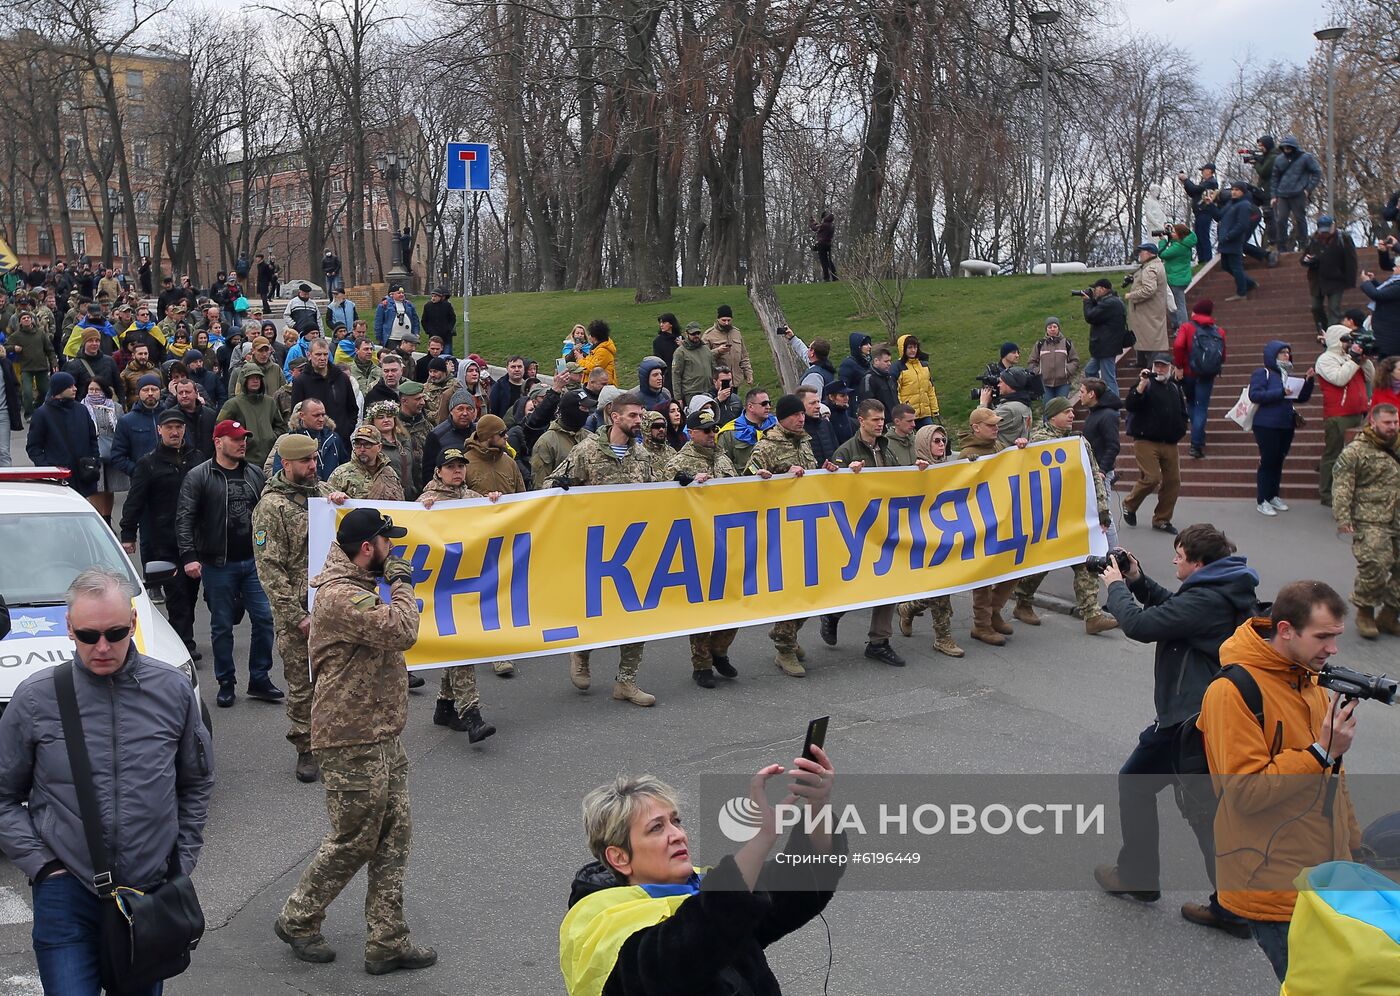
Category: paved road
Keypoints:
(497, 830)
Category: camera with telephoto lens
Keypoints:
(1357, 684)
(1161, 233)
(1078, 293)
(1117, 557)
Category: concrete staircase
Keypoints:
(1279, 309)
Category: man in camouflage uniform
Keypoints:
(368, 475)
(1058, 424)
(987, 622)
(413, 414)
(279, 547)
(1366, 504)
(439, 383)
(783, 449)
(458, 702)
(658, 450)
(930, 444)
(357, 644)
(595, 461)
(698, 461)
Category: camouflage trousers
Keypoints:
(784, 635)
(627, 666)
(291, 647)
(1377, 553)
(940, 608)
(459, 685)
(367, 801)
(1086, 590)
(705, 647)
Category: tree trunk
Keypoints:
(869, 182)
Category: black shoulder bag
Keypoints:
(144, 936)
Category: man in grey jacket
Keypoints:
(1296, 176)
(152, 762)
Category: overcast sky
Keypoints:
(1220, 33)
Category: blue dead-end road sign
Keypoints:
(468, 166)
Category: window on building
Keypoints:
(45, 242)
(80, 243)
(175, 240)
(76, 198)
(337, 185)
(116, 246)
(139, 154)
(143, 201)
(143, 243)
(73, 149)
(135, 84)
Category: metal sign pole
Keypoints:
(466, 275)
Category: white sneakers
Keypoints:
(1265, 508)
(1277, 502)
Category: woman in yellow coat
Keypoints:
(914, 381)
(603, 354)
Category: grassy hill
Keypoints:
(961, 323)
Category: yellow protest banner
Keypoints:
(553, 571)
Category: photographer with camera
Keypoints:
(1345, 374)
(1261, 160)
(1202, 196)
(1365, 486)
(1156, 421)
(1107, 317)
(1013, 403)
(1175, 250)
(1385, 299)
(1330, 259)
(990, 380)
(1187, 626)
(1268, 829)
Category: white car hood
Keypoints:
(38, 639)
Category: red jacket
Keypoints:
(1384, 395)
(1181, 347)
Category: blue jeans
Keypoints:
(1234, 265)
(1197, 407)
(66, 925)
(221, 584)
(1272, 939)
(1203, 246)
(1106, 369)
(1056, 392)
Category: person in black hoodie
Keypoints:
(1107, 317)
(1101, 425)
(1187, 626)
(855, 366)
(1156, 421)
(643, 921)
(439, 319)
(668, 337)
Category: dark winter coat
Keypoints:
(439, 318)
(333, 389)
(1188, 626)
(136, 436)
(822, 437)
(855, 366)
(1236, 225)
(1331, 262)
(1108, 325)
(882, 387)
(9, 388)
(152, 501)
(1102, 431)
(1297, 174)
(201, 514)
(60, 432)
(1385, 320)
(199, 427)
(101, 368)
(1266, 389)
(1159, 416)
(714, 940)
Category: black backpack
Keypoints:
(1207, 351)
(1189, 764)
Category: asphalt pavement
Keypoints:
(498, 836)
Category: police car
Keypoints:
(48, 535)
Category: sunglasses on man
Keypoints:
(89, 637)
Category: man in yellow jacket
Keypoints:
(1292, 809)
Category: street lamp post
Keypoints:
(115, 207)
(1331, 36)
(392, 165)
(1043, 19)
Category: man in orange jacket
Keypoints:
(1268, 827)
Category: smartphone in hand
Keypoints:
(816, 736)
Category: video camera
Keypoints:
(1249, 156)
(1118, 557)
(1357, 684)
(986, 380)
(1364, 338)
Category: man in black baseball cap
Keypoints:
(365, 525)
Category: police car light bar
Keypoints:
(34, 474)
